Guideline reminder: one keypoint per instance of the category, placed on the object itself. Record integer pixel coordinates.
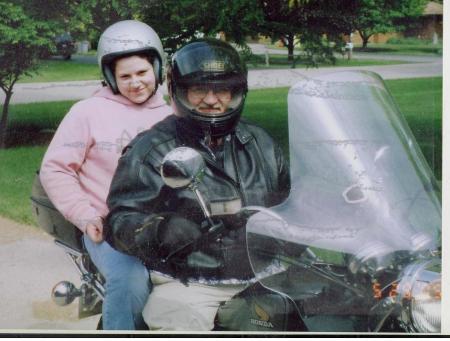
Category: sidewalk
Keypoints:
(257, 79)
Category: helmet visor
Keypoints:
(211, 98)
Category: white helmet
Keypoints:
(129, 37)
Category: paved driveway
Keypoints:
(30, 264)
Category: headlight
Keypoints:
(419, 291)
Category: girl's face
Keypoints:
(135, 78)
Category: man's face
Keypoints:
(210, 101)
(135, 78)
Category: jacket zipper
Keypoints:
(238, 174)
(267, 174)
(235, 184)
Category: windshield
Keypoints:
(360, 184)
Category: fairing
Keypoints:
(360, 184)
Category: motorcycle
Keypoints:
(356, 245)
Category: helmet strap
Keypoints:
(110, 79)
(153, 92)
(157, 70)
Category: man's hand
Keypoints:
(176, 232)
(94, 230)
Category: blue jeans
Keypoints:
(126, 289)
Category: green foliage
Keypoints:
(307, 20)
(51, 10)
(89, 18)
(381, 16)
(242, 18)
(23, 38)
(317, 24)
(191, 18)
(185, 17)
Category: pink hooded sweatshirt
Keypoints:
(80, 161)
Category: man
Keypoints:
(207, 85)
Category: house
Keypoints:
(429, 25)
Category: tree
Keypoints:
(178, 21)
(381, 16)
(284, 20)
(89, 18)
(23, 39)
(316, 24)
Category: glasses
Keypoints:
(201, 91)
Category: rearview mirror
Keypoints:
(181, 167)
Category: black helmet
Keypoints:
(208, 64)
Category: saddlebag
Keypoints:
(51, 220)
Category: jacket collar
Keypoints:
(243, 134)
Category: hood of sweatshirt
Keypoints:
(157, 100)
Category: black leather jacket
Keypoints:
(252, 171)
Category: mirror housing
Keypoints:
(181, 167)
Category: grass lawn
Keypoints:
(18, 167)
(63, 71)
(414, 49)
(418, 99)
(31, 124)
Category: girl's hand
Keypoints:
(94, 230)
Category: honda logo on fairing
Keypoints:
(263, 318)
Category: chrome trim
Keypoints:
(86, 276)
